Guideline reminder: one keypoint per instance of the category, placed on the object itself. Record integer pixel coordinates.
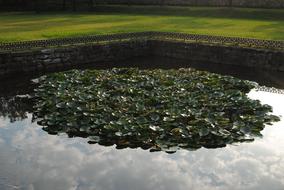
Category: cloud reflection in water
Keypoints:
(32, 159)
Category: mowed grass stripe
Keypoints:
(234, 22)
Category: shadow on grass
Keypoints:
(210, 12)
(201, 12)
(237, 22)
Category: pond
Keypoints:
(33, 159)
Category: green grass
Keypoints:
(237, 22)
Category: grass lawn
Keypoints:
(240, 22)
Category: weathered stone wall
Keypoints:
(216, 54)
(88, 4)
(259, 3)
(59, 58)
(46, 5)
(218, 3)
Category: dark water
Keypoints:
(32, 159)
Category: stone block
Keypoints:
(281, 68)
(56, 61)
(47, 51)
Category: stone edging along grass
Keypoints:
(60, 54)
(169, 36)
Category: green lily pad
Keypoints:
(160, 110)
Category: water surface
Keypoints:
(32, 159)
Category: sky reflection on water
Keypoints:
(32, 159)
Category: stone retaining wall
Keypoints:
(45, 60)
(19, 5)
(147, 35)
(216, 54)
(61, 58)
(217, 3)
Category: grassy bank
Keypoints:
(237, 22)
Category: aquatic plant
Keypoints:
(152, 109)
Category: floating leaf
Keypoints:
(176, 131)
(155, 128)
(154, 116)
(204, 131)
(119, 134)
(160, 110)
(245, 129)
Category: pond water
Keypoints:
(32, 159)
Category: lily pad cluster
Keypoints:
(152, 109)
